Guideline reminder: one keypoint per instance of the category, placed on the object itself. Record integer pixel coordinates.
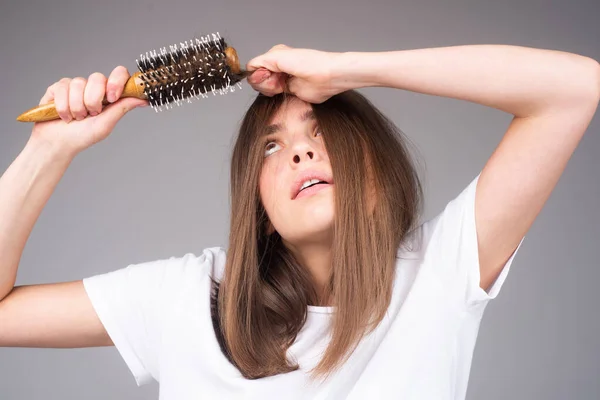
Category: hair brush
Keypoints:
(189, 71)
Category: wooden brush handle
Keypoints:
(134, 87)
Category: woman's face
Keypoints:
(294, 153)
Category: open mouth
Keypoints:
(309, 182)
(312, 188)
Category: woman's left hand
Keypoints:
(310, 75)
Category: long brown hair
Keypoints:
(260, 304)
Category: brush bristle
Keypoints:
(189, 71)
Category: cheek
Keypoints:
(269, 187)
(264, 191)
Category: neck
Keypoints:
(316, 258)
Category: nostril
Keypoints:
(297, 157)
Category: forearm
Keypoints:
(25, 187)
(519, 80)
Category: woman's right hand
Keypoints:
(83, 121)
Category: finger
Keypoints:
(76, 88)
(94, 93)
(279, 47)
(259, 76)
(49, 95)
(116, 83)
(267, 60)
(61, 99)
(273, 85)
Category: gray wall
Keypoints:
(158, 185)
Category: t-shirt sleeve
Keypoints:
(453, 251)
(131, 303)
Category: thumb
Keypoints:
(265, 61)
(121, 107)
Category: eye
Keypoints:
(270, 148)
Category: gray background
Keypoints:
(158, 186)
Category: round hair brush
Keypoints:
(189, 71)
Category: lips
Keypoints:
(306, 176)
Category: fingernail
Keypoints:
(260, 76)
(110, 96)
(266, 76)
(93, 113)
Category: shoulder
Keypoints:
(210, 262)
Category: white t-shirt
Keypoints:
(158, 316)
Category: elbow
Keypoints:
(583, 92)
(597, 80)
(578, 90)
(592, 81)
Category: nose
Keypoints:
(298, 157)
(302, 151)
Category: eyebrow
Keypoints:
(274, 128)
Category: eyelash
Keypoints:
(273, 141)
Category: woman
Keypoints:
(330, 287)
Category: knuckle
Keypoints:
(78, 81)
(76, 86)
(61, 87)
(121, 72)
(279, 47)
(96, 76)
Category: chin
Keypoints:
(318, 214)
(313, 223)
(309, 233)
(313, 220)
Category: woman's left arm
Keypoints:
(553, 96)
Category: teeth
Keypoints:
(308, 183)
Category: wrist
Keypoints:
(53, 151)
(356, 70)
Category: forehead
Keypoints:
(293, 110)
(291, 106)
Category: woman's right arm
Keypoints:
(60, 314)
(25, 188)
